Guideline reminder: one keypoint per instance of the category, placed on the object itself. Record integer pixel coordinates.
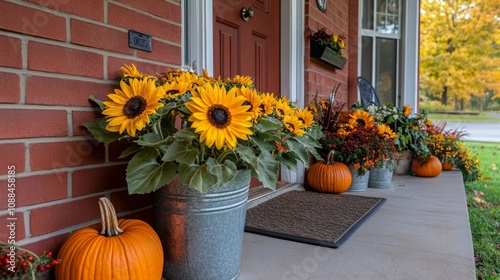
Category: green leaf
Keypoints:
(288, 161)
(150, 140)
(268, 123)
(267, 171)
(130, 150)
(311, 145)
(98, 129)
(181, 152)
(145, 174)
(247, 155)
(202, 180)
(299, 149)
(98, 102)
(223, 172)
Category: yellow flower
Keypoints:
(305, 116)
(283, 107)
(407, 110)
(294, 125)
(131, 105)
(385, 130)
(252, 99)
(362, 118)
(130, 71)
(175, 89)
(242, 80)
(268, 103)
(219, 116)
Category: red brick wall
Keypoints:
(55, 53)
(341, 18)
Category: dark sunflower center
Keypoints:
(134, 107)
(219, 116)
(247, 103)
(173, 91)
(361, 122)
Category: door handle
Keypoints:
(246, 14)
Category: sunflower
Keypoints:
(174, 89)
(305, 116)
(363, 118)
(130, 71)
(242, 80)
(252, 99)
(132, 105)
(268, 103)
(406, 110)
(386, 131)
(219, 116)
(294, 125)
(283, 107)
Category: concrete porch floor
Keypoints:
(421, 232)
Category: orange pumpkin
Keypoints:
(329, 176)
(122, 250)
(447, 166)
(428, 168)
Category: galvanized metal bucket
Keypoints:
(202, 234)
(380, 178)
(359, 183)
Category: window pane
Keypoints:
(387, 16)
(367, 57)
(367, 14)
(385, 71)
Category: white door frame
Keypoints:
(198, 28)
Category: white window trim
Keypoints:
(200, 30)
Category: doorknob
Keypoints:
(246, 14)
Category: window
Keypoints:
(380, 46)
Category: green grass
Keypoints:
(482, 117)
(485, 216)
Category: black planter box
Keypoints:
(327, 55)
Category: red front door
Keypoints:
(250, 48)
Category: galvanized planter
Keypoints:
(359, 183)
(202, 234)
(380, 178)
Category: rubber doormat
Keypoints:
(310, 217)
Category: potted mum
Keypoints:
(328, 48)
(195, 142)
(356, 140)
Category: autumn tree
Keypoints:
(459, 50)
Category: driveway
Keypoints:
(483, 132)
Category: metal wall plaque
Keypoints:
(140, 41)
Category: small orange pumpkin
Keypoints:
(123, 250)
(329, 176)
(447, 166)
(428, 168)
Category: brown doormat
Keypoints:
(310, 217)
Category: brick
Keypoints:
(46, 156)
(10, 90)
(59, 216)
(81, 117)
(12, 154)
(11, 55)
(57, 59)
(50, 244)
(93, 9)
(159, 8)
(65, 92)
(131, 19)
(114, 65)
(95, 180)
(26, 20)
(28, 123)
(18, 227)
(122, 201)
(28, 189)
(100, 37)
(163, 52)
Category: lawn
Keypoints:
(481, 117)
(483, 199)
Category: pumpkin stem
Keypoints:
(109, 221)
(330, 157)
